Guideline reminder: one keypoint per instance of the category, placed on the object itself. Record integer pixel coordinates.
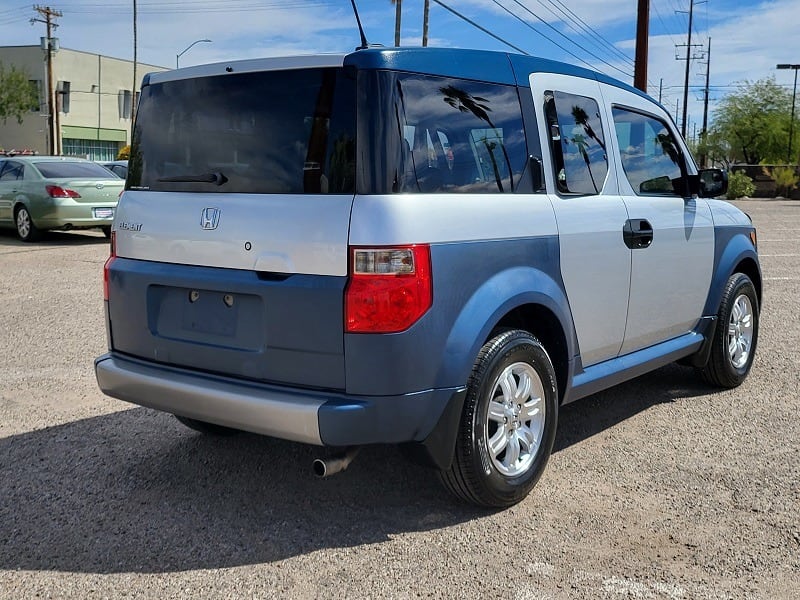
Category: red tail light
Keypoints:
(389, 288)
(107, 267)
(56, 191)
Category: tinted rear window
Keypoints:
(271, 132)
(76, 170)
(426, 134)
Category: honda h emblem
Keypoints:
(209, 218)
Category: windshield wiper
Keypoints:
(215, 178)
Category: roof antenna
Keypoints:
(364, 44)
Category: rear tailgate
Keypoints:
(246, 285)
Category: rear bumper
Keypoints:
(306, 416)
(61, 212)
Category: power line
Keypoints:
(571, 16)
(483, 29)
(569, 40)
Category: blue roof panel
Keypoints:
(481, 65)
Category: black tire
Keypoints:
(26, 229)
(207, 428)
(106, 229)
(502, 479)
(734, 343)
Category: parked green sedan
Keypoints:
(55, 192)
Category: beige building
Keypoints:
(94, 99)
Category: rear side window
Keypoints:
(11, 171)
(276, 132)
(578, 146)
(651, 158)
(425, 134)
(78, 170)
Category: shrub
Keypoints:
(739, 185)
(124, 153)
(785, 179)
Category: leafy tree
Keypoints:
(17, 95)
(753, 122)
(715, 148)
(124, 153)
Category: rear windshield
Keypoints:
(82, 170)
(281, 132)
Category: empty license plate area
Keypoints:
(103, 213)
(226, 319)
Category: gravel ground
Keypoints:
(659, 488)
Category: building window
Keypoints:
(91, 149)
(125, 104)
(62, 96)
(36, 88)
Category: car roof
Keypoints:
(39, 158)
(480, 65)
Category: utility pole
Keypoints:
(398, 13)
(660, 88)
(133, 89)
(688, 63)
(704, 130)
(426, 9)
(642, 35)
(53, 125)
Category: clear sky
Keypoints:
(748, 37)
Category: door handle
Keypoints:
(637, 234)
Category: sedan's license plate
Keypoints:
(103, 213)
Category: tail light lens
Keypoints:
(389, 288)
(56, 191)
(107, 266)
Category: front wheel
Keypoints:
(26, 230)
(733, 346)
(508, 423)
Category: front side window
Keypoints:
(651, 158)
(577, 143)
(273, 132)
(426, 134)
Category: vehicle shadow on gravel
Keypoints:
(135, 491)
(8, 238)
(589, 416)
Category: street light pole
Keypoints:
(185, 50)
(794, 97)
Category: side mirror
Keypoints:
(712, 183)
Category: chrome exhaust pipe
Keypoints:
(325, 467)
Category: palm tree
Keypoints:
(582, 119)
(465, 102)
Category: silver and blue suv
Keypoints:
(428, 247)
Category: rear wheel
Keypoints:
(26, 230)
(207, 428)
(508, 424)
(734, 343)
(106, 229)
